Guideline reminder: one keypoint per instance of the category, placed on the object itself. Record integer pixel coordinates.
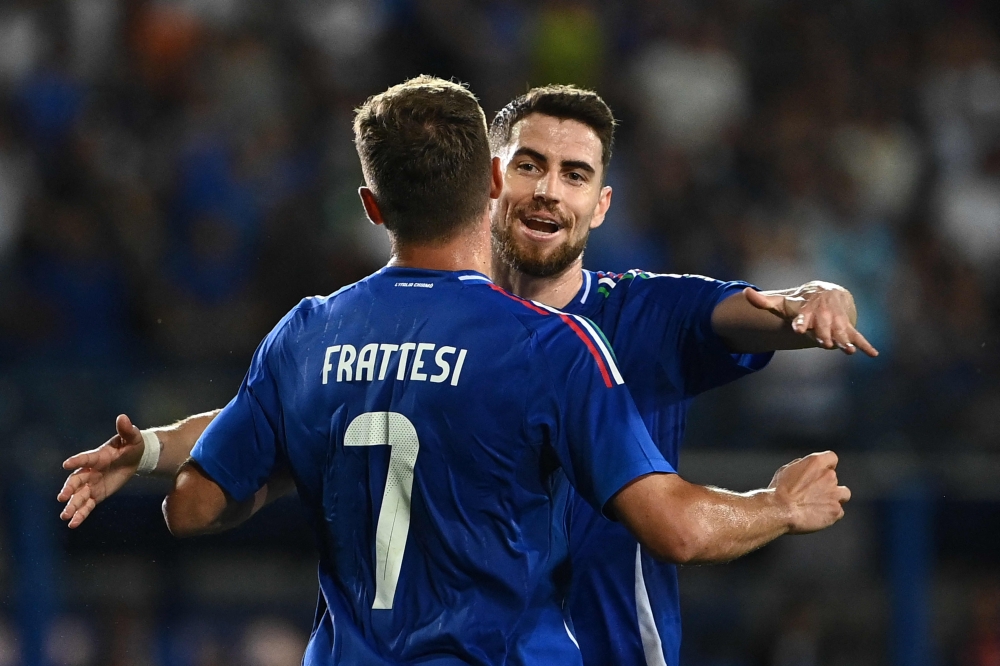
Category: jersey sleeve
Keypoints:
(593, 424)
(242, 446)
(674, 314)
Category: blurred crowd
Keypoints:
(176, 174)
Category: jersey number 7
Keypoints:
(396, 431)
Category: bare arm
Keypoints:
(198, 505)
(686, 523)
(816, 314)
(177, 441)
(101, 472)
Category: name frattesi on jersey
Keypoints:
(353, 365)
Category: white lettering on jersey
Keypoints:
(458, 367)
(388, 350)
(347, 354)
(443, 364)
(418, 362)
(404, 355)
(354, 365)
(366, 360)
(327, 366)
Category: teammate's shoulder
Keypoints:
(637, 282)
(531, 315)
(560, 334)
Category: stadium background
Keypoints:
(175, 175)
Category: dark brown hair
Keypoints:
(558, 101)
(425, 156)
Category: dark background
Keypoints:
(174, 176)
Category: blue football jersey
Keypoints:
(423, 415)
(625, 605)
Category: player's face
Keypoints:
(552, 195)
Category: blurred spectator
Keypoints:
(961, 93)
(16, 184)
(77, 286)
(693, 90)
(93, 36)
(272, 642)
(71, 643)
(983, 648)
(797, 642)
(969, 208)
(569, 44)
(21, 42)
(9, 653)
(885, 161)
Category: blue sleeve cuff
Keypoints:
(725, 366)
(629, 473)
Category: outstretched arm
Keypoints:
(198, 505)
(101, 472)
(684, 523)
(815, 314)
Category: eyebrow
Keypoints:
(565, 164)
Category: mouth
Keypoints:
(541, 225)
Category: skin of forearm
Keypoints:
(683, 523)
(748, 330)
(177, 441)
(728, 525)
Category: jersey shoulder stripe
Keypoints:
(584, 330)
(597, 339)
(607, 281)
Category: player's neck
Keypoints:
(555, 291)
(469, 251)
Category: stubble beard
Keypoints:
(528, 259)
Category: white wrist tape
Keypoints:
(150, 452)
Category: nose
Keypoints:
(547, 187)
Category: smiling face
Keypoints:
(552, 195)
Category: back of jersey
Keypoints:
(421, 414)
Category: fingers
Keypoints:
(770, 302)
(74, 482)
(827, 459)
(822, 329)
(842, 339)
(90, 458)
(863, 344)
(824, 459)
(82, 513)
(803, 323)
(828, 317)
(127, 432)
(844, 494)
(75, 503)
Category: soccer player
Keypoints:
(674, 337)
(676, 334)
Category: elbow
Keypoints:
(189, 510)
(677, 544)
(181, 520)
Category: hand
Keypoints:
(808, 487)
(101, 472)
(821, 310)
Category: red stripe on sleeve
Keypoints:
(572, 324)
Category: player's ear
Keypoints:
(371, 205)
(603, 204)
(496, 179)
